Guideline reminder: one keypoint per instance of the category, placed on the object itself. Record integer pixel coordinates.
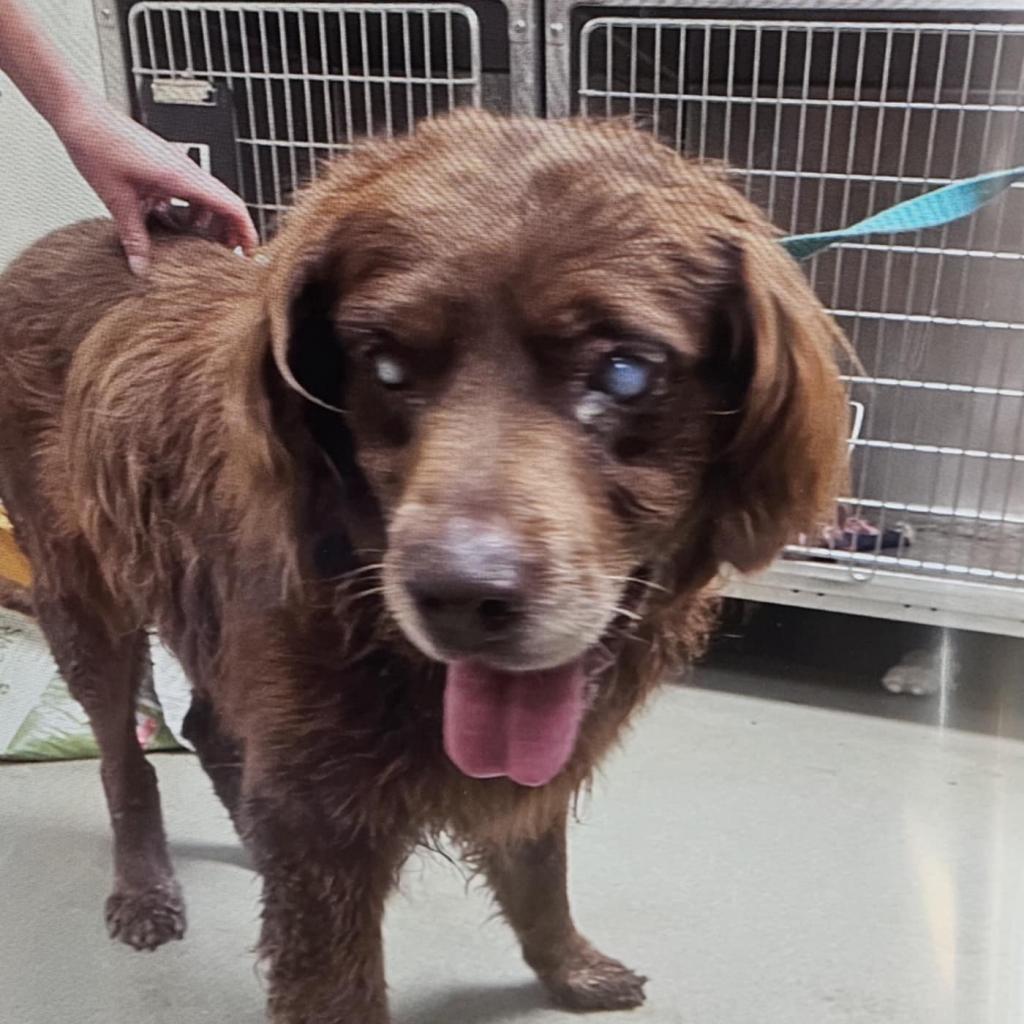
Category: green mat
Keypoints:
(40, 720)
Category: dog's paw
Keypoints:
(591, 981)
(146, 919)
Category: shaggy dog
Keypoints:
(426, 503)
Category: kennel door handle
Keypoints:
(944, 205)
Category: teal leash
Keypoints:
(933, 209)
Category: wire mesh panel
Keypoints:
(303, 81)
(828, 122)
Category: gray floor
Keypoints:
(797, 858)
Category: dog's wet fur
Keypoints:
(264, 459)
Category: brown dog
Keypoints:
(426, 506)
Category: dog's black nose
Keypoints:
(467, 586)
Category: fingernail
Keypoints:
(138, 265)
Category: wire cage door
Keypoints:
(828, 121)
(281, 87)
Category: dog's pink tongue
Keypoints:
(519, 724)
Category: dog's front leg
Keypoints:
(528, 877)
(323, 899)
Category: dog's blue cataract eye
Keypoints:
(390, 372)
(626, 378)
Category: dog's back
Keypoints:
(50, 298)
(105, 376)
(66, 405)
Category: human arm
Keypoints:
(131, 169)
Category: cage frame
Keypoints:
(872, 590)
(558, 19)
(524, 47)
(869, 590)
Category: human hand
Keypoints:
(135, 172)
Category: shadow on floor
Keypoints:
(213, 853)
(479, 1005)
(976, 682)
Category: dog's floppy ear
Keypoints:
(301, 295)
(783, 455)
(288, 301)
(333, 232)
(288, 362)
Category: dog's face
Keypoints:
(576, 372)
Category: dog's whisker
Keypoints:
(650, 584)
(371, 567)
(362, 570)
(354, 581)
(359, 595)
(623, 634)
(626, 613)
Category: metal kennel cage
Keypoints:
(264, 92)
(828, 117)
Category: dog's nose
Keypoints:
(467, 586)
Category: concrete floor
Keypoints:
(795, 857)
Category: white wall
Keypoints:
(39, 187)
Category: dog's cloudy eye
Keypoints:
(625, 377)
(390, 372)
